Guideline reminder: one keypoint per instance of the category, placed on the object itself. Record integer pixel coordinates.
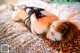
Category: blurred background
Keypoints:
(6, 4)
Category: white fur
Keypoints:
(57, 36)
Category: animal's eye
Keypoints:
(52, 33)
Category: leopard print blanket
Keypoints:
(66, 47)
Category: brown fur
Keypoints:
(48, 20)
(63, 26)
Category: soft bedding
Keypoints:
(62, 11)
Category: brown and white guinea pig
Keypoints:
(62, 31)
